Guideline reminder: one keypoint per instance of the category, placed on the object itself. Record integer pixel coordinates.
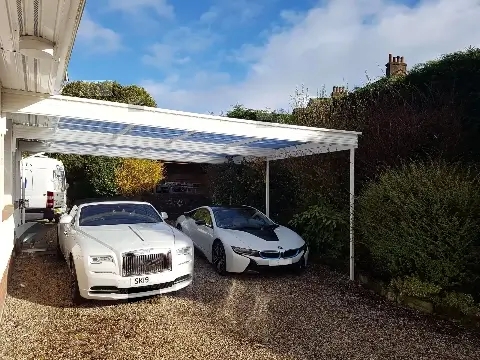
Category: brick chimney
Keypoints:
(396, 66)
(338, 91)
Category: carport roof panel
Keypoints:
(170, 134)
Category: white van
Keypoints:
(44, 185)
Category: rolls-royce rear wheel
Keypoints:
(58, 250)
(77, 299)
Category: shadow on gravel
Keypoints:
(319, 314)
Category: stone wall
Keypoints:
(420, 304)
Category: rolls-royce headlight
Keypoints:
(187, 250)
(99, 259)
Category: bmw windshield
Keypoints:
(241, 218)
(118, 214)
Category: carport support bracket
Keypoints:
(352, 213)
(267, 189)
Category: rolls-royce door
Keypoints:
(65, 232)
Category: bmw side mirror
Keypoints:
(164, 215)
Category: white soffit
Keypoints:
(36, 41)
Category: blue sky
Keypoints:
(206, 56)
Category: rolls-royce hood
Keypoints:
(267, 239)
(121, 238)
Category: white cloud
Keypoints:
(96, 38)
(210, 15)
(231, 13)
(177, 46)
(161, 7)
(335, 43)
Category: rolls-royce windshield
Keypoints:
(118, 214)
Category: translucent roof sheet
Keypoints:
(73, 125)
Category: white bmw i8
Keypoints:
(241, 238)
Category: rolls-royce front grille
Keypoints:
(134, 265)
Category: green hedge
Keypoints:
(325, 229)
(423, 220)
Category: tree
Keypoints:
(94, 176)
(241, 112)
(135, 176)
(110, 91)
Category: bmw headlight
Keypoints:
(99, 259)
(187, 250)
(304, 248)
(243, 251)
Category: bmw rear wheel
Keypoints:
(219, 259)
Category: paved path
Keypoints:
(316, 316)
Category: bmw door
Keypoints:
(204, 230)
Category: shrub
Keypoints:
(424, 220)
(324, 228)
(413, 286)
(137, 176)
(465, 303)
(244, 184)
(100, 175)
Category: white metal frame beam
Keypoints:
(70, 107)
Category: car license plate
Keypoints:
(140, 281)
(279, 262)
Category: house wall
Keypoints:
(7, 225)
(9, 174)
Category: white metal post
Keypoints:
(267, 189)
(352, 213)
(17, 156)
(22, 187)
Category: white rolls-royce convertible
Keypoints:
(241, 238)
(123, 249)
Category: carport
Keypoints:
(36, 40)
(90, 127)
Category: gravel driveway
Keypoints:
(315, 316)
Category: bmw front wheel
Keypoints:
(219, 258)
